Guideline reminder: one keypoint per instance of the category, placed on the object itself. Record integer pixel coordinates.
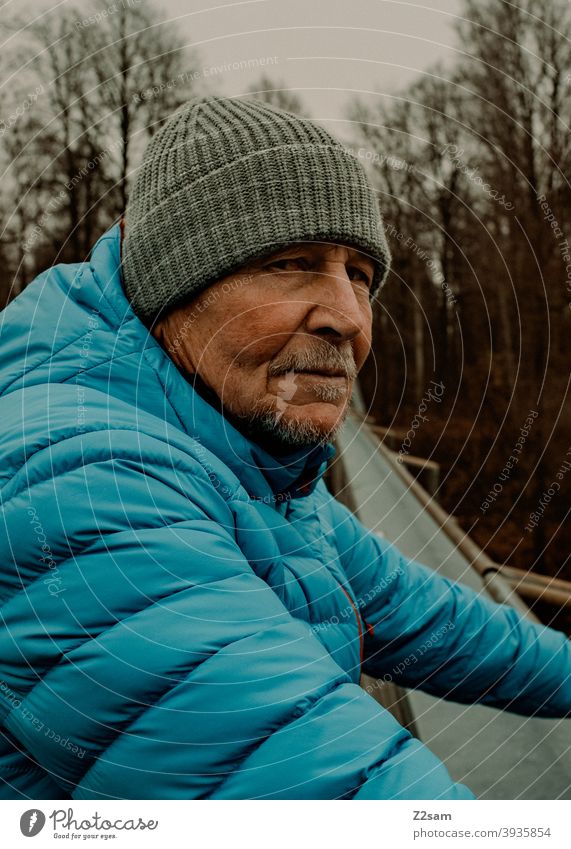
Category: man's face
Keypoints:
(280, 341)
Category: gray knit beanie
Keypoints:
(226, 181)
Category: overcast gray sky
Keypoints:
(326, 50)
(323, 50)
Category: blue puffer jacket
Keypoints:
(184, 616)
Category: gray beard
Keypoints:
(265, 424)
(270, 428)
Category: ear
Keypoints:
(157, 330)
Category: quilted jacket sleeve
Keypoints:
(159, 665)
(430, 633)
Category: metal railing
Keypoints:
(528, 752)
(504, 584)
(490, 572)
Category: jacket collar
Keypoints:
(264, 476)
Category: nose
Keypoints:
(340, 310)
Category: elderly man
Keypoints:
(186, 609)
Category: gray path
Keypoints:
(497, 754)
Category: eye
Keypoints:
(360, 275)
(288, 263)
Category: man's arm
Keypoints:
(160, 665)
(430, 633)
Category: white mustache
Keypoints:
(316, 361)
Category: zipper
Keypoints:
(359, 625)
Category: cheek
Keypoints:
(362, 347)
(362, 342)
(259, 331)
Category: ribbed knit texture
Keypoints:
(225, 181)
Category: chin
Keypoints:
(320, 414)
(284, 424)
(321, 418)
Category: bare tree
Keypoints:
(473, 169)
(108, 81)
(277, 94)
(143, 74)
(517, 56)
(406, 143)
